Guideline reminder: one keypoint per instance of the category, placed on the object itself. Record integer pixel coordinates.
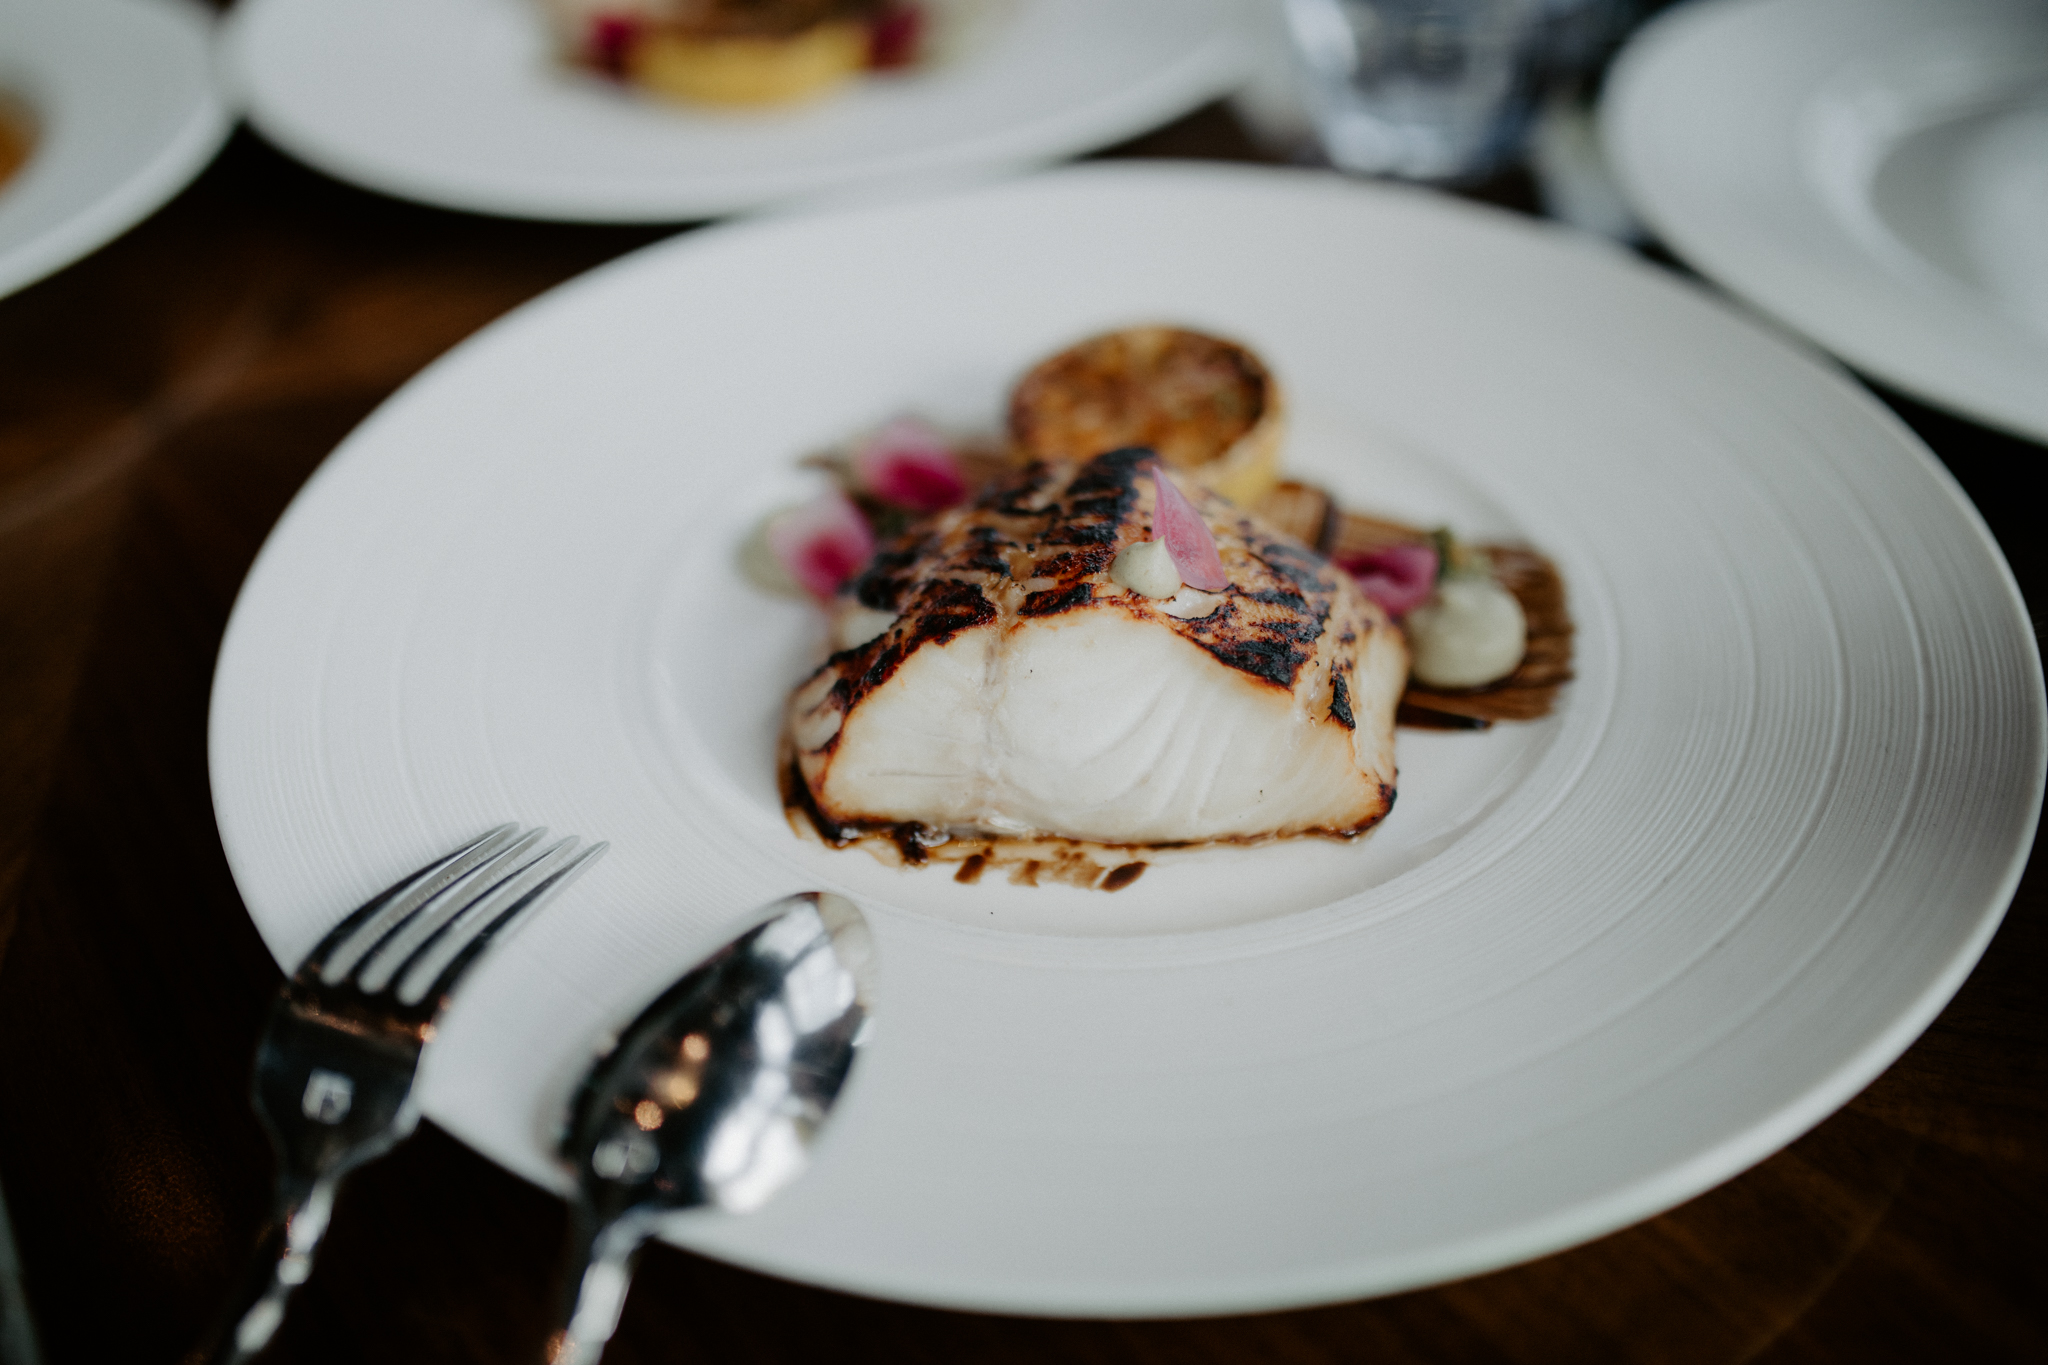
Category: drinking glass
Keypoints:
(1437, 90)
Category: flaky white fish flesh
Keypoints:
(1014, 689)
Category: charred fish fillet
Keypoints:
(996, 682)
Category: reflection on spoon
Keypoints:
(712, 1097)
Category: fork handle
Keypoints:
(281, 1263)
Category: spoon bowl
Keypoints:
(712, 1097)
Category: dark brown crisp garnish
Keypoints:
(1303, 511)
(1530, 691)
(1526, 694)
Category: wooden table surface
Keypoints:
(159, 404)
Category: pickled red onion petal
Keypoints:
(907, 464)
(1175, 521)
(822, 543)
(1400, 578)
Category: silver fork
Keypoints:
(335, 1068)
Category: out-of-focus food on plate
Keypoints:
(1064, 663)
(739, 52)
(17, 136)
(1207, 406)
(1016, 690)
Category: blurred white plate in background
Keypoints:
(1873, 173)
(121, 97)
(465, 104)
(1588, 967)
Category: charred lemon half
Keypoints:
(1207, 406)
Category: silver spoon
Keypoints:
(712, 1097)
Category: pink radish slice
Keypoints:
(1399, 578)
(907, 464)
(1175, 521)
(822, 543)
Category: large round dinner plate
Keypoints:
(120, 102)
(1874, 173)
(1587, 968)
(464, 104)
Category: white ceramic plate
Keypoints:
(1873, 173)
(121, 96)
(463, 103)
(1587, 967)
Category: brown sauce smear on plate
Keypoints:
(1027, 861)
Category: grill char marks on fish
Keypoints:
(1020, 692)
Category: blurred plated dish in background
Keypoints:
(107, 109)
(495, 107)
(748, 52)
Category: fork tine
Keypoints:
(434, 972)
(348, 941)
(453, 930)
(373, 972)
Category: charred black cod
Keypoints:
(1010, 689)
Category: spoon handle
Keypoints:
(607, 1252)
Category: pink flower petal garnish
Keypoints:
(609, 39)
(907, 464)
(822, 543)
(1399, 578)
(1175, 521)
(893, 37)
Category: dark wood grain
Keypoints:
(159, 404)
